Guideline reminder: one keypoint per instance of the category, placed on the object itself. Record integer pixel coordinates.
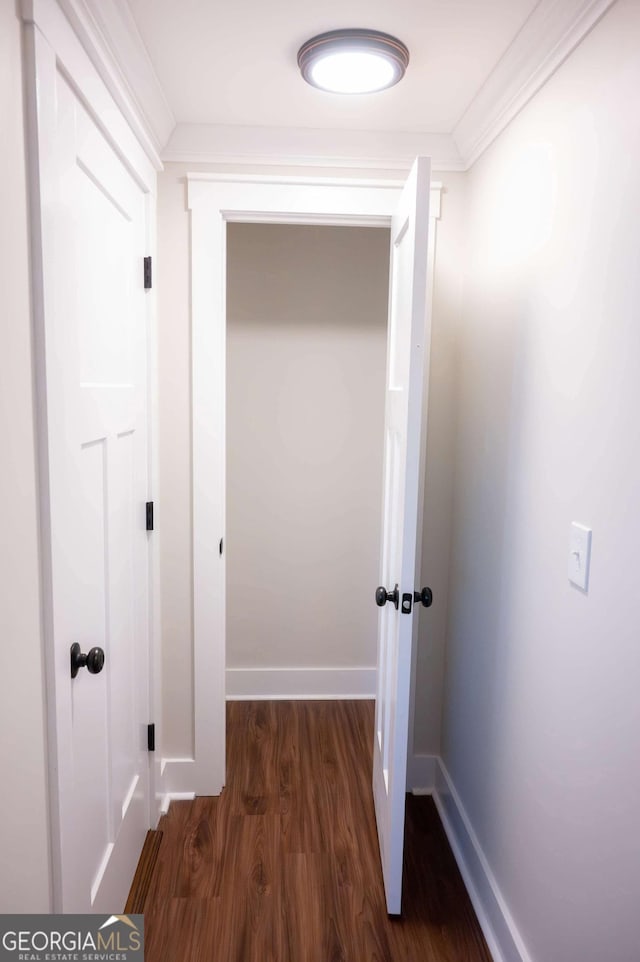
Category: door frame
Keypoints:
(51, 44)
(215, 200)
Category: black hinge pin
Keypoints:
(147, 273)
(149, 515)
(151, 738)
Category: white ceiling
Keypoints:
(235, 62)
(203, 80)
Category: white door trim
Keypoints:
(51, 44)
(213, 200)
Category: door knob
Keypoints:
(382, 596)
(93, 661)
(425, 597)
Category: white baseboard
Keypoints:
(496, 921)
(175, 797)
(296, 683)
(177, 776)
(421, 774)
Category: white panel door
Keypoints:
(94, 227)
(407, 344)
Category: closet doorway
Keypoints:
(306, 357)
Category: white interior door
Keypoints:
(407, 343)
(94, 441)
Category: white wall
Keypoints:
(24, 845)
(542, 715)
(174, 507)
(306, 358)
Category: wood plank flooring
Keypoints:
(284, 865)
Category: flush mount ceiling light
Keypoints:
(353, 61)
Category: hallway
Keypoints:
(284, 866)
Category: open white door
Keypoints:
(89, 226)
(407, 341)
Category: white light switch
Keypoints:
(579, 555)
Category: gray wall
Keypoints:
(306, 357)
(24, 845)
(541, 710)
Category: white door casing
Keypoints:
(213, 201)
(408, 342)
(91, 195)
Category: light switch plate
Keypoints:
(579, 555)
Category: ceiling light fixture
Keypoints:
(353, 61)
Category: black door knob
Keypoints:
(382, 596)
(425, 597)
(93, 661)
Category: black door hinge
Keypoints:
(151, 738)
(221, 546)
(149, 515)
(147, 273)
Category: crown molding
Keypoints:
(109, 35)
(308, 147)
(549, 35)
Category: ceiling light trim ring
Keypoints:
(354, 40)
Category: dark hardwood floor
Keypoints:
(284, 865)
